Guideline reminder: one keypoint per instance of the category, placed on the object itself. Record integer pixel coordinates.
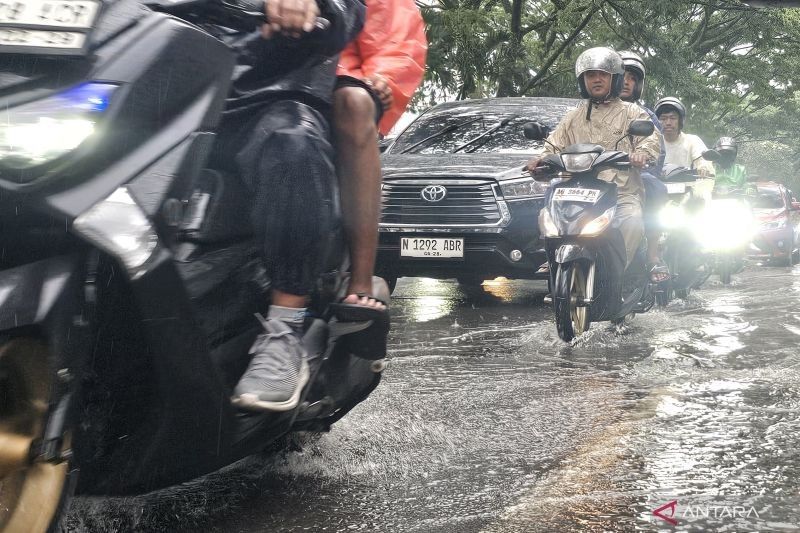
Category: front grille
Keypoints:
(467, 203)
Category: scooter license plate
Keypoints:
(676, 188)
(431, 248)
(46, 26)
(566, 194)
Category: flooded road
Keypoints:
(486, 422)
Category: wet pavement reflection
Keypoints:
(487, 422)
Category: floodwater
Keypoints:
(486, 422)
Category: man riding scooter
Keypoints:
(728, 173)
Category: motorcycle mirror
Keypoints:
(711, 155)
(535, 131)
(641, 128)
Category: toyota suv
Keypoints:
(456, 200)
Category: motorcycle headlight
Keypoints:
(523, 188)
(725, 225)
(42, 131)
(578, 162)
(546, 225)
(600, 223)
(672, 216)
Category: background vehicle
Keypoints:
(456, 200)
(776, 237)
(130, 277)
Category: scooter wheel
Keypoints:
(570, 288)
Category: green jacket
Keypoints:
(733, 177)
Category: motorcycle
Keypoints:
(129, 277)
(725, 229)
(585, 250)
(681, 250)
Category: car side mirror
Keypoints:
(535, 131)
(641, 128)
(711, 155)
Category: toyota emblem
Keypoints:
(433, 193)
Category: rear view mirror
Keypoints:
(641, 128)
(711, 155)
(536, 131)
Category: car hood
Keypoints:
(497, 166)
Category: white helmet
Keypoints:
(633, 61)
(603, 59)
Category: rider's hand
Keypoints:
(381, 87)
(533, 164)
(289, 17)
(638, 160)
(703, 173)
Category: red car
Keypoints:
(775, 211)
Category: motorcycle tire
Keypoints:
(34, 495)
(570, 286)
(725, 275)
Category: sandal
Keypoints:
(659, 272)
(347, 312)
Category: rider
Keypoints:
(602, 118)
(377, 76)
(275, 135)
(655, 196)
(683, 149)
(729, 174)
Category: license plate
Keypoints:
(566, 194)
(60, 26)
(436, 248)
(676, 188)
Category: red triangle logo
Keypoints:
(661, 512)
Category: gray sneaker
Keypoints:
(277, 372)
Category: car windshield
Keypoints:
(474, 121)
(767, 200)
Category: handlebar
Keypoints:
(242, 15)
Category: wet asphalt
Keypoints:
(487, 422)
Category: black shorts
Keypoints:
(349, 81)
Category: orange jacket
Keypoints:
(393, 45)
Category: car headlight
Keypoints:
(578, 162)
(672, 216)
(773, 224)
(600, 223)
(524, 188)
(42, 131)
(118, 226)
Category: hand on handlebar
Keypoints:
(533, 164)
(639, 160)
(290, 18)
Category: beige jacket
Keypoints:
(608, 123)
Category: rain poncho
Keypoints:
(392, 45)
(733, 177)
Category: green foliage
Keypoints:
(733, 66)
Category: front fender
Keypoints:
(570, 252)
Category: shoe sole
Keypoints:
(252, 403)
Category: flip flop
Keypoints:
(659, 272)
(347, 312)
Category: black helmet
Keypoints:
(727, 146)
(633, 62)
(603, 59)
(670, 103)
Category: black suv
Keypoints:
(456, 200)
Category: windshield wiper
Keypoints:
(486, 134)
(446, 129)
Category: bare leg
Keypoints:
(285, 299)
(359, 171)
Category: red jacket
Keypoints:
(393, 45)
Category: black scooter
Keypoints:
(585, 249)
(688, 264)
(128, 274)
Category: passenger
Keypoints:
(602, 118)
(377, 76)
(276, 136)
(656, 196)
